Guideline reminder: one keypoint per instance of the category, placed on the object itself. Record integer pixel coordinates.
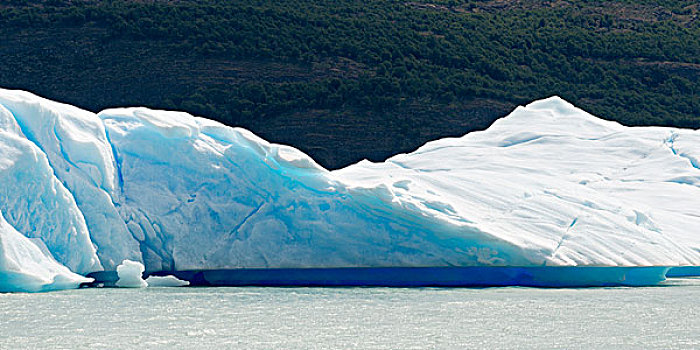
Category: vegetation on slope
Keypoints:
(350, 79)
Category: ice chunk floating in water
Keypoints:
(130, 274)
(166, 281)
(547, 186)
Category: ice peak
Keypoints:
(554, 103)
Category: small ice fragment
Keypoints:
(130, 273)
(166, 281)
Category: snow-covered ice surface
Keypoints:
(565, 186)
(548, 185)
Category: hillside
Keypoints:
(347, 79)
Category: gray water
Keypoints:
(355, 318)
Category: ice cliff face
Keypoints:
(547, 185)
(26, 265)
(36, 203)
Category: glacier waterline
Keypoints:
(178, 192)
(468, 276)
(683, 271)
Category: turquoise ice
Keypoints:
(548, 185)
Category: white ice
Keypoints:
(130, 275)
(547, 185)
(27, 266)
(166, 281)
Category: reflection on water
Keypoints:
(364, 318)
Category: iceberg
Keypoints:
(130, 275)
(547, 186)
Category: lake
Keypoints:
(666, 317)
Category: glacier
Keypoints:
(549, 185)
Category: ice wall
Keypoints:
(75, 144)
(37, 204)
(547, 185)
(200, 195)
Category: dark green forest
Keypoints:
(348, 79)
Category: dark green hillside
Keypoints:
(350, 79)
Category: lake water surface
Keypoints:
(665, 317)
